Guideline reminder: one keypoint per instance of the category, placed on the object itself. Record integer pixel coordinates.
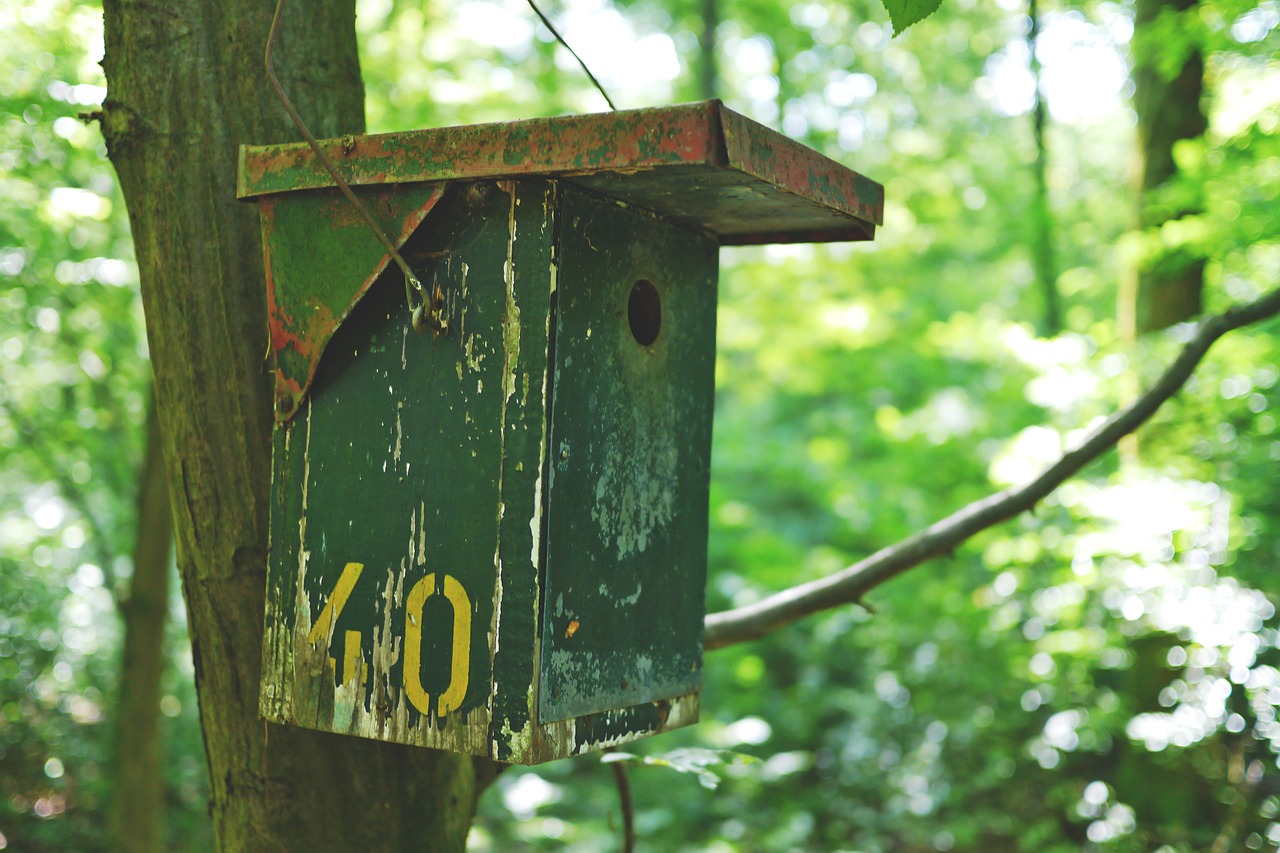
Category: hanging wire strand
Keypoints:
(547, 23)
(410, 280)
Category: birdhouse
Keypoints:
(489, 536)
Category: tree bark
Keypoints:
(137, 812)
(186, 88)
(1165, 288)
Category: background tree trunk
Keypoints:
(1166, 288)
(708, 67)
(1042, 249)
(137, 812)
(186, 88)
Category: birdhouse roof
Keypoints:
(702, 165)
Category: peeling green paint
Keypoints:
(492, 539)
(627, 526)
(422, 458)
(313, 285)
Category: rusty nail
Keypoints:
(284, 403)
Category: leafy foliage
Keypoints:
(1103, 675)
(698, 762)
(904, 13)
(72, 406)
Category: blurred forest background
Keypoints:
(1104, 674)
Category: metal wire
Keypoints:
(547, 23)
(410, 280)
(426, 314)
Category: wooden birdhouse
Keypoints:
(490, 536)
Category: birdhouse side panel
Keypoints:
(631, 446)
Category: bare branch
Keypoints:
(628, 809)
(849, 584)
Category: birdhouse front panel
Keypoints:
(488, 529)
(492, 539)
(397, 560)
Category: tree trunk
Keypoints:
(708, 69)
(1166, 288)
(186, 88)
(1042, 249)
(137, 812)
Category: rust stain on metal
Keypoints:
(700, 164)
(305, 304)
(767, 154)
(549, 146)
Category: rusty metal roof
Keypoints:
(699, 164)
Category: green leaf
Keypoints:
(692, 760)
(904, 13)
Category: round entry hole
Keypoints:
(644, 312)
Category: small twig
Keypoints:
(410, 279)
(628, 811)
(850, 584)
(547, 23)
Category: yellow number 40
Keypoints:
(450, 699)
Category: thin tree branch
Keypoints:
(849, 584)
(628, 810)
(410, 280)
